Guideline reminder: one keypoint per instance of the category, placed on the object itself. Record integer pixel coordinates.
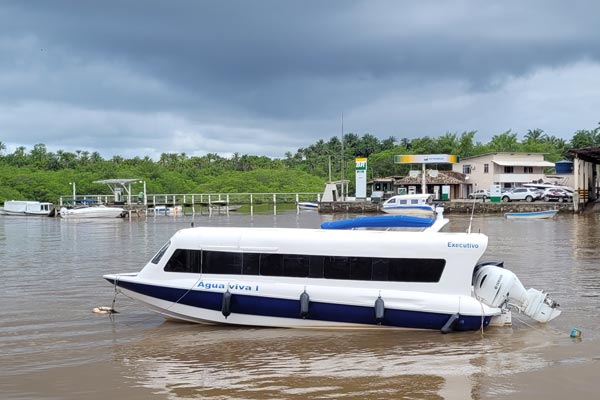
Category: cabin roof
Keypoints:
(330, 242)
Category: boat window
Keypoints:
(250, 264)
(161, 252)
(336, 268)
(271, 265)
(380, 269)
(296, 265)
(316, 267)
(415, 270)
(221, 262)
(183, 261)
(360, 268)
(302, 266)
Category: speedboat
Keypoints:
(324, 278)
(26, 207)
(410, 204)
(308, 205)
(99, 211)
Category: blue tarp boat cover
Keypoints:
(380, 221)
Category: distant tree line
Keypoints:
(44, 175)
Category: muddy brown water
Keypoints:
(53, 347)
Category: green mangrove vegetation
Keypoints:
(39, 174)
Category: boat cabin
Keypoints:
(25, 207)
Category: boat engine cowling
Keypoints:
(497, 286)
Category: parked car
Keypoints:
(556, 194)
(521, 193)
(480, 194)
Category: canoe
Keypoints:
(532, 215)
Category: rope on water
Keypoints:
(547, 327)
(109, 310)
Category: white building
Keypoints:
(505, 169)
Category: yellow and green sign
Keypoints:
(361, 178)
(425, 159)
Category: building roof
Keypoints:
(590, 154)
(501, 152)
(117, 181)
(442, 178)
(520, 163)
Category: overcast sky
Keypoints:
(137, 78)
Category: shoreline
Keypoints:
(453, 207)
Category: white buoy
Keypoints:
(104, 310)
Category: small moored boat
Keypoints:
(410, 204)
(308, 205)
(532, 215)
(99, 211)
(220, 206)
(164, 210)
(27, 207)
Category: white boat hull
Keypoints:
(278, 305)
(163, 210)
(92, 212)
(225, 208)
(27, 208)
(409, 204)
(30, 213)
(532, 215)
(421, 211)
(308, 205)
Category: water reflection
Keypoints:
(183, 361)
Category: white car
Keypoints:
(520, 193)
(557, 194)
(480, 194)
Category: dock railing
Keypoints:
(198, 199)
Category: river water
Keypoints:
(53, 347)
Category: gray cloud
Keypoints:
(266, 77)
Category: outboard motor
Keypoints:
(497, 286)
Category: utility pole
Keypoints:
(343, 195)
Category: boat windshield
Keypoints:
(161, 252)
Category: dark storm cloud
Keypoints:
(261, 70)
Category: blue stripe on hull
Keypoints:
(284, 308)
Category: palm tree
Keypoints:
(506, 141)
(536, 135)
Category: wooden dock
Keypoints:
(203, 202)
